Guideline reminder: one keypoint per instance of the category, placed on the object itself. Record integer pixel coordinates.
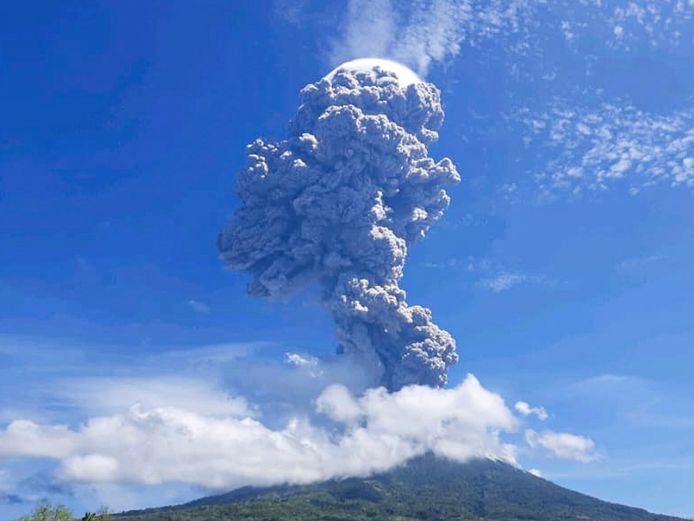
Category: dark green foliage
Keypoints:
(426, 489)
(102, 515)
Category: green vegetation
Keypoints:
(426, 489)
(48, 512)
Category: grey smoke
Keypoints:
(337, 203)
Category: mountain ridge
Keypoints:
(426, 488)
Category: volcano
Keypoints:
(427, 488)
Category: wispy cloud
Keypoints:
(489, 274)
(625, 24)
(448, 263)
(310, 364)
(503, 281)
(419, 33)
(621, 471)
(525, 409)
(594, 149)
(603, 379)
(198, 306)
(658, 22)
(635, 263)
(637, 401)
(106, 395)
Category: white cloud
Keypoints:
(308, 363)
(503, 281)
(338, 403)
(26, 438)
(492, 275)
(526, 410)
(449, 263)
(369, 30)
(658, 22)
(108, 394)
(418, 33)
(563, 445)
(205, 358)
(535, 472)
(372, 432)
(623, 23)
(301, 360)
(207, 380)
(145, 427)
(608, 378)
(598, 148)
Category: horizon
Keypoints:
(561, 267)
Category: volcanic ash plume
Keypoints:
(338, 203)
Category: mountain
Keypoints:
(425, 489)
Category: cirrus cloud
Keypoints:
(595, 149)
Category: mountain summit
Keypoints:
(425, 489)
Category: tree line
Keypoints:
(48, 512)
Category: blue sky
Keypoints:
(562, 267)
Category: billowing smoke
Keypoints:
(338, 202)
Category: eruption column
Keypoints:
(338, 202)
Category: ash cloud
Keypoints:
(338, 203)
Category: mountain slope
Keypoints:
(426, 488)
